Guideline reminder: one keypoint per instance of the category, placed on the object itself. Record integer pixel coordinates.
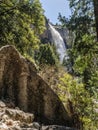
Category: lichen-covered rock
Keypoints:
(21, 85)
(13, 118)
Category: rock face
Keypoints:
(46, 37)
(67, 35)
(22, 86)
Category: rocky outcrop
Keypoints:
(15, 119)
(21, 86)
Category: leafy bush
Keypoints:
(72, 90)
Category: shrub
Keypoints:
(72, 90)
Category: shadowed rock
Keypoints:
(21, 85)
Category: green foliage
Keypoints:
(83, 60)
(86, 62)
(85, 52)
(21, 21)
(73, 90)
(46, 55)
(81, 21)
(83, 63)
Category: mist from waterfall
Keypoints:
(58, 42)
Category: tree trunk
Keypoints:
(96, 15)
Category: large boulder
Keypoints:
(21, 85)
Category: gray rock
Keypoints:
(36, 125)
(20, 115)
(56, 127)
(2, 104)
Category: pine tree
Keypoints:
(83, 52)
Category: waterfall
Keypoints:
(58, 42)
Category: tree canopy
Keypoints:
(83, 52)
(21, 23)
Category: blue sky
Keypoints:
(53, 7)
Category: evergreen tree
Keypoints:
(83, 52)
(46, 55)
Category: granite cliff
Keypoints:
(66, 35)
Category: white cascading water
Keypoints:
(58, 42)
